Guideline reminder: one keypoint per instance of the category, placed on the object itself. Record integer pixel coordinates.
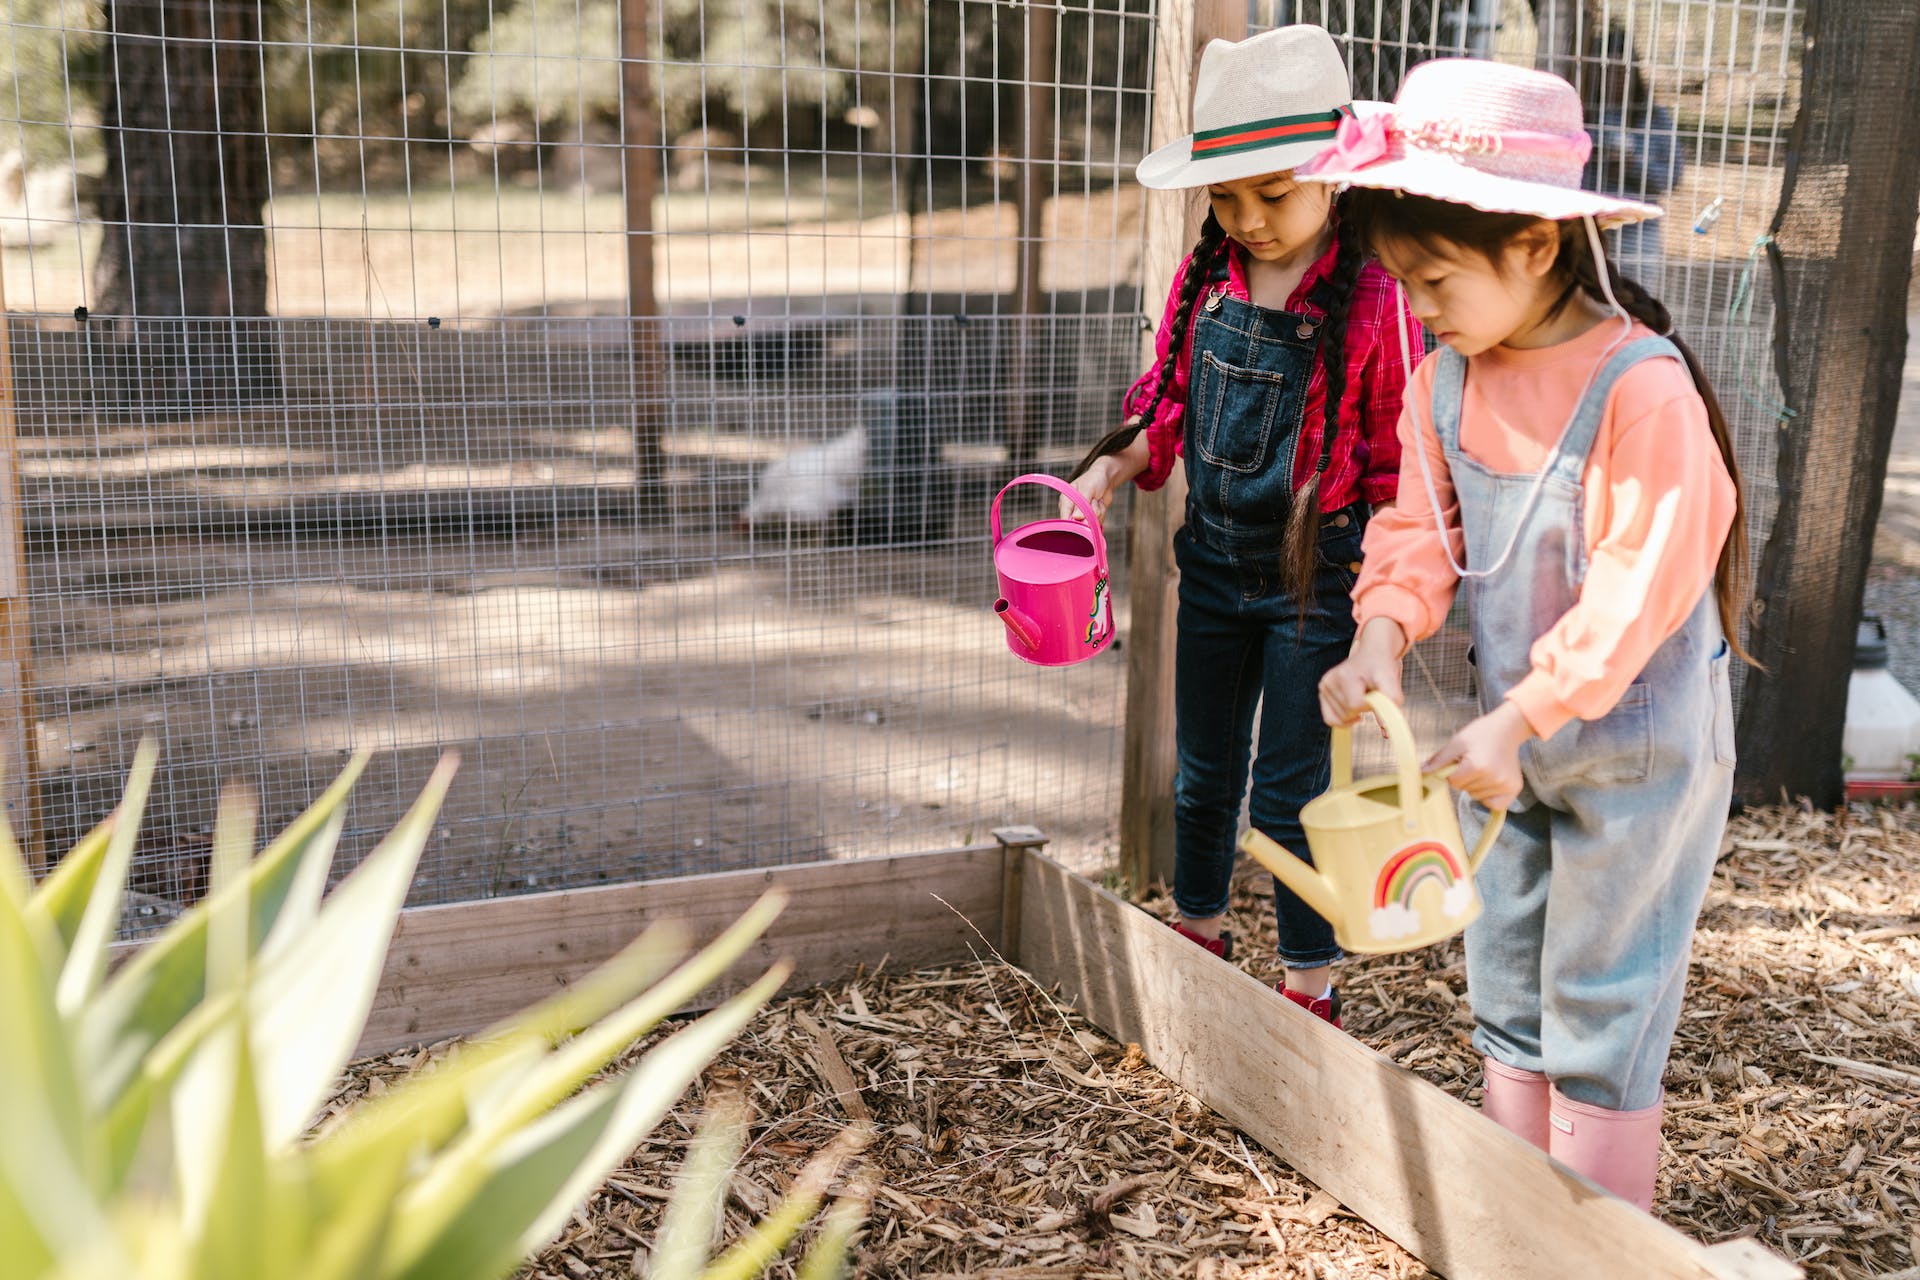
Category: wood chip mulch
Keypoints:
(1005, 1138)
(1793, 1095)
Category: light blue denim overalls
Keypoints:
(1577, 964)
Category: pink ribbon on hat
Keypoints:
(1359, 141)
(1362, 140)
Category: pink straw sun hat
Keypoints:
(1260, 105)
(1498, 138)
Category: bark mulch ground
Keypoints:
(1003, 1137)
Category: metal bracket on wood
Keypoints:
(1014, 843)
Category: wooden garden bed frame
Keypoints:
(1427, 1170)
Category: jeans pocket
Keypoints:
(1618, 747)
(1340, 548)
(1338, 553)
(1724, 749)
(1238, 434)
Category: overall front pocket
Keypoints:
(1244, 406)
(1616, 748)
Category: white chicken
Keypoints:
(810, 487)
(37, 206)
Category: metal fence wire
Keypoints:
(614, 390)
(1688, 103)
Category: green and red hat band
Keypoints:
(1257, 135)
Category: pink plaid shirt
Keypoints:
(1366, 451)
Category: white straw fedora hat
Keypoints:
(1496, 137)
(1260, 105)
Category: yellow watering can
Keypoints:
(1390, 871)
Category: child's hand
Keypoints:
(1486, 757)
(1107, 473)
(1096, 484)
(1373, 665)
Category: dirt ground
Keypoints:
(616, 710)
(480, 252)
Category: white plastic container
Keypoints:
(1883, 719)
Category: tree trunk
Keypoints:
(1153, 581)
(1842, 232)
(184, 249)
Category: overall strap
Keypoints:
(1449, 391)
(1570, 463)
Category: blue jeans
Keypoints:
(1243, 644)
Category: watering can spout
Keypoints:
(1295, 874)
(1019, 625)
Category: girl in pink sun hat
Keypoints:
(1278, 381)
(1567, 460)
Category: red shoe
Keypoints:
(1221, 946)
(1326, 1008)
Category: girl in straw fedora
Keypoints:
(1277, 377)
(1566, 458)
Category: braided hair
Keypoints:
(1301, 543)
(1376, 216)
(1208, 250)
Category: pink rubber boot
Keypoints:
(1516, 1100)
(1620, 1150)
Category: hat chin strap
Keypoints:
(1553, 456)
(1606, 276)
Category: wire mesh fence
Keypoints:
(1688, 103)
(614, 390)
(381, 451)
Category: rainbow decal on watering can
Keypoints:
(1403, 876)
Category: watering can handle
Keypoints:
(1400, 735)
(1496, 819)
(1494, 822)
(1054, 482)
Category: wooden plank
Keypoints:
(1028, 405)
(1462, 1194)
(455, 969)
(1148, 761)
(1173, 222)
(640, 148)
(19, 754)
(1014, 843)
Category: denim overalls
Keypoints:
(1242, 641)
(1576, 965)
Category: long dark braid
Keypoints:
(1207, 251)
(1731, 572)
(1301, 545)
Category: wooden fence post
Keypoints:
(640, 163)
(1034, 184)
(1146, 804)
(19, 754)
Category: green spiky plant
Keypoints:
(156, 1122)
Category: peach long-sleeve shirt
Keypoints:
(1659, 505)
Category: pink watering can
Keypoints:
(1053, 583)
